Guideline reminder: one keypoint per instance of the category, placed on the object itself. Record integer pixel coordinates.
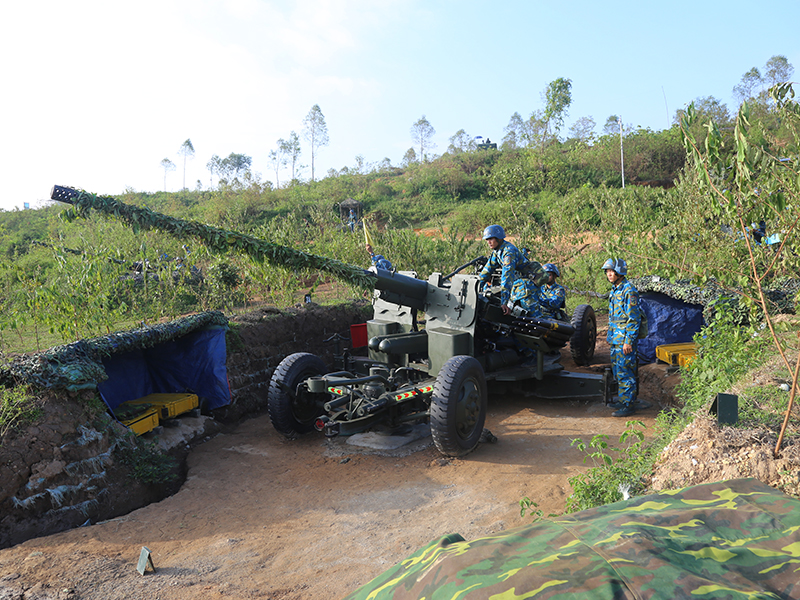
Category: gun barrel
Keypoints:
(400, 289)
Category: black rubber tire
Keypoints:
(289, 416)
(458, 406)
(583, 340)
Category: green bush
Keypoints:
(147, 463)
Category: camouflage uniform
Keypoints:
(509, 259)
(623, 328)
(551, 299)
(526, 294)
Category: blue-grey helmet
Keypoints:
(616, 264)
(494, 231)
(551, 268)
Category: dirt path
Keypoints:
(261, 517)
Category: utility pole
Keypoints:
(621, 154)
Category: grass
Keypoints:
(17, 408)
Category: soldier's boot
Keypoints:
(626, 411)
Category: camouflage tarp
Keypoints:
(79, 365)
(734, 539)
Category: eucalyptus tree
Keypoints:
(409, 157)
(514, 132)
(583, 129)
(167, 165)
(277, 160)
(611, 126)
(422, 133)
(187, 151)
(558, 97)
(291, 150)
(234, 165)
(461, 142)
(315, 131)
(777, 70)
(214, 167)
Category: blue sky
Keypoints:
(96, 93)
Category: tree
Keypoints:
(558, 97)
(235, 165)
(748, 185)
(187, 151)
(461, 142)
(777, 70)
(747, 86)
(362, 166)
(514, 132)
(316, 132)
(409, 157)
(421, 133)
(612, 125)
(167, 165)
(214, 166)
(277, 161)
(583, 129)
(706, 109)
(291, 149)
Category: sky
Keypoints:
(95, 94)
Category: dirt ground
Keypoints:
(263, 517)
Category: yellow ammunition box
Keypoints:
(169, 405)
(673, 353)
(143, 423)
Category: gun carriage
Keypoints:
(435, 371)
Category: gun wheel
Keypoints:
(458, 406)
(289, 412)
(583, 340)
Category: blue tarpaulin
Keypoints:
(192, 363)
(669, 321)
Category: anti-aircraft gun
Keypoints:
(437, 373)
(435, 370)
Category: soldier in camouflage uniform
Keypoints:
(508, 258)
(624, 319)
(552, 296)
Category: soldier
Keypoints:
(552, 296)
(509, 259)
(379, 260)
(624, 319)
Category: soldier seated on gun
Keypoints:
(552, 296)
(508, 258)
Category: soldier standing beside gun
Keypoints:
(624, 319)
(510, 260)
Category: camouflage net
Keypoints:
(79, 365)
(214, 238)
(780, 293)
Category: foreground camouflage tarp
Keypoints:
(79, 365)
(734, 539)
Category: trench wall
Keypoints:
(61, 472)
